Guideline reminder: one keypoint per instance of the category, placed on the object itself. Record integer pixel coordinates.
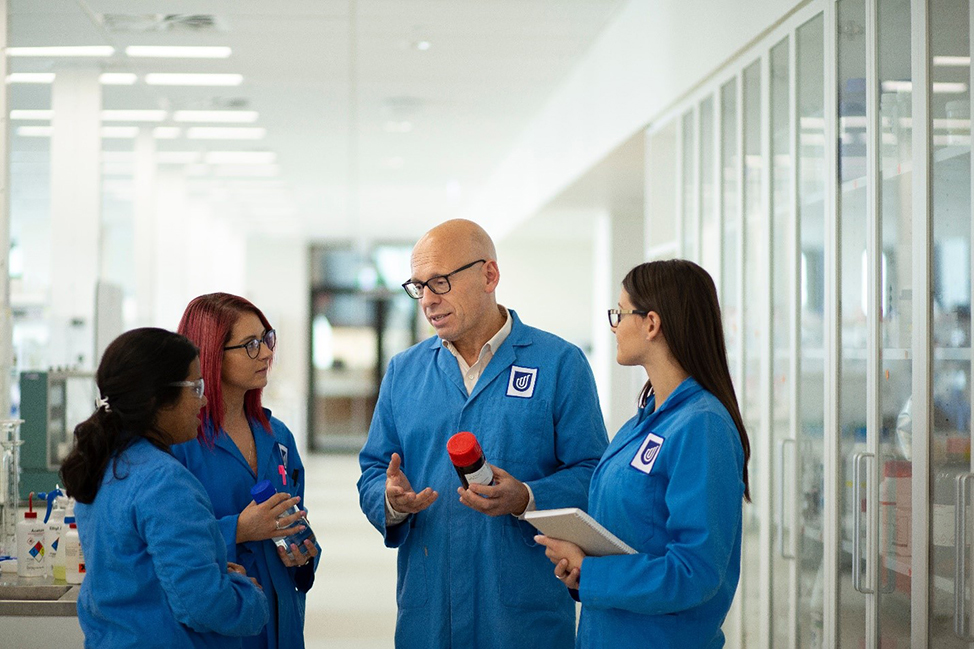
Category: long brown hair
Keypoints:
(684, 296)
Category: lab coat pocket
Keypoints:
(522, 432)
(525, 578)
(412, 590)
(644, 506)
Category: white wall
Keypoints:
(653, 52)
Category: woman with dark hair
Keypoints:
(240, 444)
(672, 481)
(156, 565)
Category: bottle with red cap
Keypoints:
(468, 459)
(30, 544)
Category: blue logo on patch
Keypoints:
(522, 381)
(649, 453)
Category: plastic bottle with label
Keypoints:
(468, 459)
(74, 556)
(264, 490)
(30, 544)
(53, 531)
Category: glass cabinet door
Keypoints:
(950, 444)
(782, 279)
(851, 92)
(809, 473)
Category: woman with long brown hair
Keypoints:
(673, 480)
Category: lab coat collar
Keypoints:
(504, 356)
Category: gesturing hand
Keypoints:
(400, 493)
(260, 521)
(508, 495)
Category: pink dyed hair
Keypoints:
(207, 322)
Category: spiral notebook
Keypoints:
(572, 524)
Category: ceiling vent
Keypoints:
(180, 23)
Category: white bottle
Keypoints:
(52, 536)
(30, 546)
(74, 557)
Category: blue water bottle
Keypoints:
(264, 490)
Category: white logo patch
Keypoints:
(283, 450)
(521, 383)
(647, 454)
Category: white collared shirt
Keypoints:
(471, 374)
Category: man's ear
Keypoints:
(493, 275)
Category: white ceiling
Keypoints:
(329, 79)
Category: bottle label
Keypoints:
(483, 475)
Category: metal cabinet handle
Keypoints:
(781, 505)
(857, 523)
(960, 557)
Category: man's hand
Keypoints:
(400, 493)
(566, 556)
(507, 495)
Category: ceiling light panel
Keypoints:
(117, 78)
(225, 133)
(35, 131)
(30, 77)
(71, 50)
(31, 114)
(177, 52)
(216, 116)
(240, 157)
(192, 79)
(133, 115)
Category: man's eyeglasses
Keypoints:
(253, 346)
(439, 284)
(197, 386)
(615, 315)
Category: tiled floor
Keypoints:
(353, 602)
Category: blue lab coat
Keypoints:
(466, 579)
(683, 516)
(156, 563)
(227, 478)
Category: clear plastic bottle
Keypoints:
(30, 546)
(52, 534)
(74, 556)
(264, 490)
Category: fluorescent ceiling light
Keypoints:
(133, 115)
(30, 77)
(177, 52)
(192, 79)
(240, 157)
(952, 61)
(119, 132)
(422, 46)
(31, 114)
(225, 133)
(224, 116)
(939, 87)
(177, 157)
(117, 78)
(35, 131)
(166, 132)
(247, 170)
(81, 50)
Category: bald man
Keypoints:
(470, 573)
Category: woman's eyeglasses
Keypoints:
(615, 315)
(197, 386)
(252, 347)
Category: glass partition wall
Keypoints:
(824, 178)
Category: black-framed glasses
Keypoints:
(615, 315)
(253, 346)
(197, 385)
(439, 284)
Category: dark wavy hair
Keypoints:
(208, 321)
(684, 296)
(134, 376)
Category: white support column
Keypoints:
(75, 214)
(143, 214)
(617, 245)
